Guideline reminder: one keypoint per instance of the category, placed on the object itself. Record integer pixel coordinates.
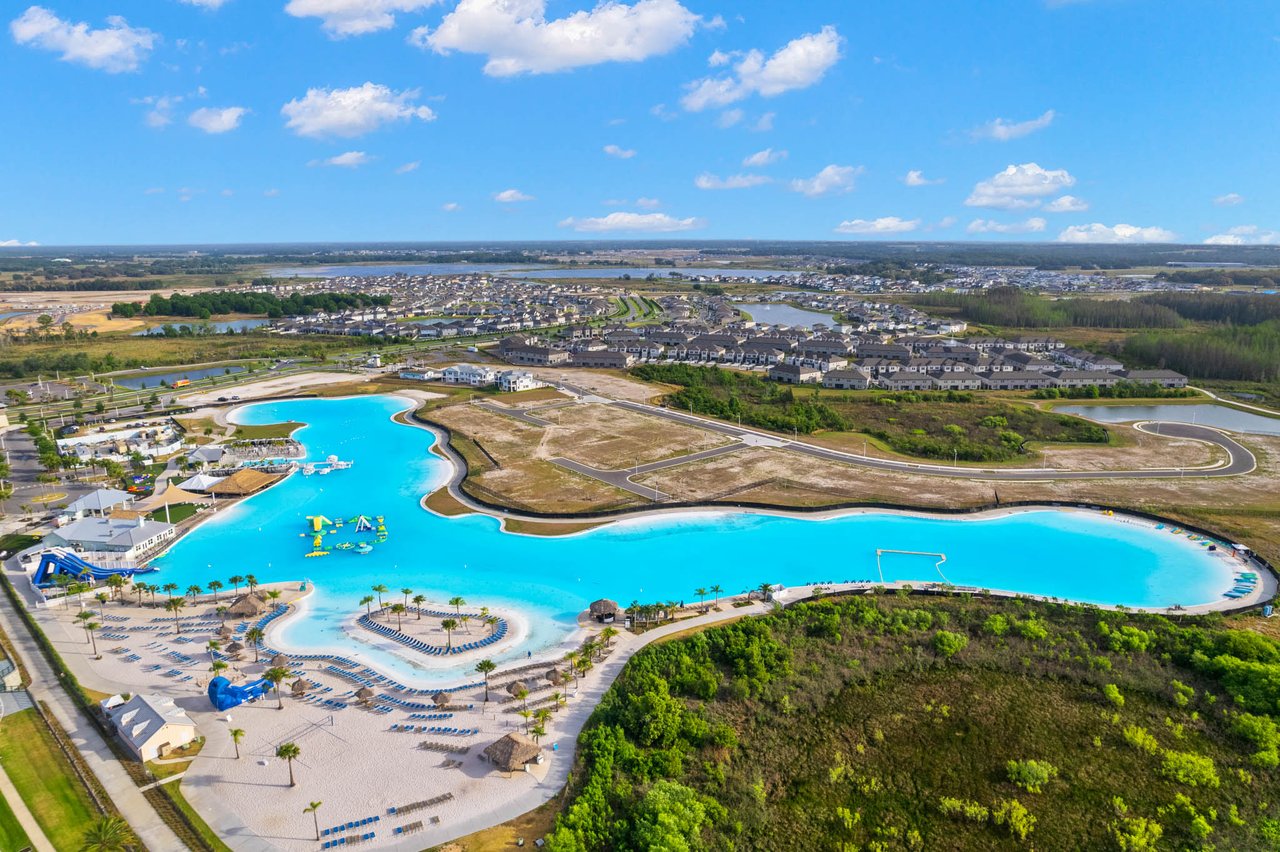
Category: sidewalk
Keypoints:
(144, 820)
(28, 822)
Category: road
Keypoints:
(1240, 460)
(623, 478)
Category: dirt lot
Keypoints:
(611, 438)
(611, 383)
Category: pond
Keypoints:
(774, 313)
(1218, 416)
(1076, 555)
(206, 327)
(142, 381)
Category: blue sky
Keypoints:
(172, 121)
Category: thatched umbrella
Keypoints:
(280, 661)
(512, 752)
(555, 676)
(516, 687)
(225, 632)
(604, 610)
(299, 687)
(441, 699)
(235, 648)
(364, 693)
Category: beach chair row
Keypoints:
(411, 828)
(349, 840)
(346, 827)
(423, 729)
(446, 748)
(431, 717)
(405, 810)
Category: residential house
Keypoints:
(795, 374)
(151, 726)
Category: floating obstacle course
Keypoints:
(361, 525)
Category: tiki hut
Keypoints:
(299, 687)
(235, 648)
(225, 632)
(280, 661)
(441, 699)
(555, 676)
(364, 693)
(249, 605)
(516, 687)
(244, 482)
(605, 611)
(512, 752)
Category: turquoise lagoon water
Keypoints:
(1076, 555)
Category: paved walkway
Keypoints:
(624, 478)
(101, 760)
(25, 818)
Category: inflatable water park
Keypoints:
(223, 695)
(363, 533)
(60, 560)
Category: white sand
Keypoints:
(269, 387)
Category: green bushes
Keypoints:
(1141, 739)
(948, 644)
(1111, 692)
(1189, 768)
(1031, 775)
(1012, 815)
(1263, 733)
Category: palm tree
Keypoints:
(175, 605)
(538, 733)
(457, 603)
(607, 635)
(169, 588)
(486, 668)
(89, 627)
(380, 590)
(418, 601)
(217, 667)
(289, 752)
(464, 619)
(702, 596)
(254, 636)
(108, 834)
(311, 809)
(572, 659)
(215, 586)
(222, 614)
(367, 603)
(559, 699)
(102, 597)
(193, 591)
(273, 595)
(526, 715)
(406, 593)
(235, 582)
(275, 676)
(717, 591)
(399, 610)
(251, 581)
(542, 715)
(116, 584)
(237, 734)
(765, 589)
(449, 626)
(141, 589)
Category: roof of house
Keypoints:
(200, 482)
(100, 500)
(111, 532)
(143, 716)
(206, 454)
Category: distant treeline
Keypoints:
(893, 270)
(206, 305)
(1241, 353)
(1015, 308)
(29, 284)
(1265, 278)
(1220, 307)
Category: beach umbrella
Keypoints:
(364, 693)
(517, 687)
(554, 676)
(299, 686)
(280, 661)
(512, 752)
(441, 699)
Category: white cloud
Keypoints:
(271, 193)
(341, 18)
(1019, 187)
(1067, 204)
(161, 112)
(206, 4)
(883, 225)
(729, 118)
(517, 38)
(1033, 225)
(915, 177)
(799, 64)
(1098, 233)
(1243, 235)
(15, 243)
(619, 152)
(115, 48)
(185, 194)
(349, 160)
(1003, 130)
(767, 157)
(352, 112)
(660, 112)
(511, 196)
(409, 167)
(154, 190)
(764, 123)
(832, 179)
(217, 120)
(706, 180)
(651, 223)
(227, 193)
(1231, 199)
(451, 207)
(648, 203)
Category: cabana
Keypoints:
(513, 752)
(243, 482)
(605, 610)
(247, 606)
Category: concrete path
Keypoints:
(518, 414)
(144, 820)
(25, 818)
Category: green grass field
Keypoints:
(11, 834)
(177, 513)
(45, 779)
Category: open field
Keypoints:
(11, 834)
(611, 438)
(44, 779)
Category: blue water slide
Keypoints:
(223, 695)
(61, 561)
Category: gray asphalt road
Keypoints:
(1241, 461)
(622, 478)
